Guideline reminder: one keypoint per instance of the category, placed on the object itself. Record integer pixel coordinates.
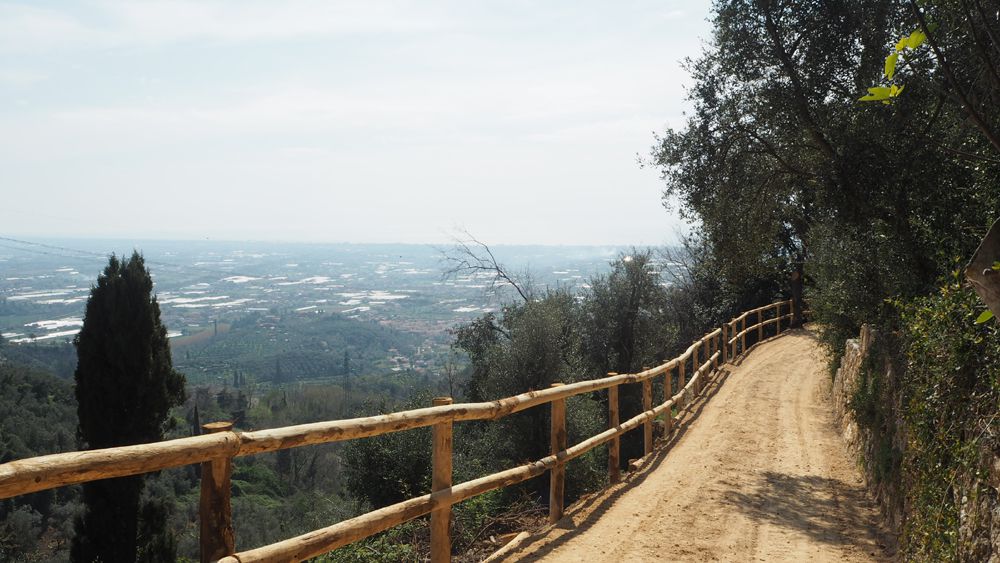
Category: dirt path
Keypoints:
(760, 474)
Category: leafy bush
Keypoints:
(390, 468)
(37, 416)
(250, 478)
(19, 531)
(951, 398)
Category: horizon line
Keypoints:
(27, 240)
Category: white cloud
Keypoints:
(20, 78)
(333, 120)
(104, 23)
(28, 29)
(528, 104)
(259, 20)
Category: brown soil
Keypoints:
(759, 474)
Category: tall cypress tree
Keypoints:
(125, 386)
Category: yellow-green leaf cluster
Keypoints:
(890, 65)
(885, 94)
(911, 41)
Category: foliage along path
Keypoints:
(761, 474)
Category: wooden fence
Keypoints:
(216, 449)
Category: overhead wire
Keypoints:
(81, 254)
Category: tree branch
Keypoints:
(471, 256)
(799, 101)
(771, 150)
(984, 128)
(980, 48)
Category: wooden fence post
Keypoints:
(777, 314)
(680, 383)
(441, 473)
(732, 335)
(760, 325)
(702, 349)
(713, 349)
(743, 339)
(708, 357)
(668, 423)
(705, 345)
(725, 343)
(614, 463)
(557, 481)
(216, 511)
(696, 365)
(706, 353)
(647, 427)
(709, 353)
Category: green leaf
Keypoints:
(985, 316)
(890, 65)
(877, 94)
(901, 44)
(996, 266)
(916, 39)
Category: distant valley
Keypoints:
(271, 312)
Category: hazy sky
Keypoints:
(340, 122)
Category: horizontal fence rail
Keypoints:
(220, 444)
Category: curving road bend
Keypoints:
(760, 474)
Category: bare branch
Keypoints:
(470, 256)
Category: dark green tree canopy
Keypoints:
(125, 387)
(125, 381)
(779, 163)
(622, 327)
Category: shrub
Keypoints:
(951, 394)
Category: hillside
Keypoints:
(289, 347)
